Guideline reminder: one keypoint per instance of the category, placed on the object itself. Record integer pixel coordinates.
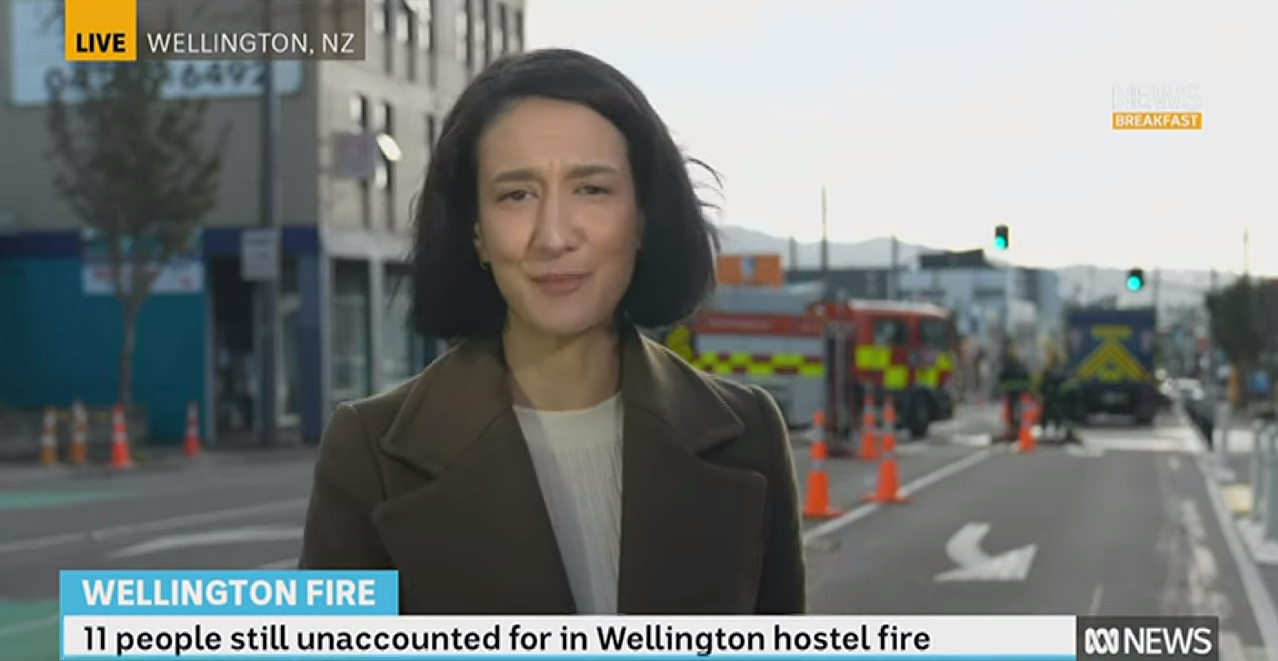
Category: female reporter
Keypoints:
(556, 461)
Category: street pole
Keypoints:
(825, 248)
(893, 278)
(271, 219)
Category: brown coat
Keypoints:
(434, 479)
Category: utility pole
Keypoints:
(1246, 251)
(893, 277)
(271, 220)
(825, 246)
(1158, 276)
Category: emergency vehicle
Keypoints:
(784, 339)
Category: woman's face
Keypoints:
(558, 221)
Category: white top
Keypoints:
(577, 455)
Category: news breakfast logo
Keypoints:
(1157, 107)
(126, 30)
(1165, 638)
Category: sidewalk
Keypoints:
(150, 461)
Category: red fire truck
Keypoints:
(903, 349)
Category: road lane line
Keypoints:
(29, 625)
(1262, 603)
(854, 515)
(1097, 595)
(155, 525)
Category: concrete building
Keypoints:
(343, 326)
(978, 291)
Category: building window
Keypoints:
(499, 31)
(481, 30)
(515, 38)
(381, 176)
(426, 25)
(388, 166)
(463, 47)
(431, 134)
(400, 13)
(359, 111)
(402, 354)
(379, 17)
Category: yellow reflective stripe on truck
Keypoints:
(778, 364)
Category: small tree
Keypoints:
(132, 165)
(1235, 324)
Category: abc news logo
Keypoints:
(1165, 638)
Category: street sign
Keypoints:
(973, 564)
(355, 155)
(260, 255)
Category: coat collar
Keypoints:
(465, 392)
(468, 529)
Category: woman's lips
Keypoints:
(560, 284)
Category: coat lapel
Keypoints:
(692, 529)
(469, 531)
(467, 527)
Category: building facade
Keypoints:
(343, 308)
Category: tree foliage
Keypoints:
(138, 168)
(1244, 321)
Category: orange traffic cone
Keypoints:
(49, 438)
(191, 444)
(869, 442)
(889, 425)
(888, 489)
(120, 457)
(817, 501)
(78, 450)
(1029, 415)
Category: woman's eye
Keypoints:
(515, 196)
(590, 189)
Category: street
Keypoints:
(1124, 524)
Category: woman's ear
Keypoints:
(480, 252)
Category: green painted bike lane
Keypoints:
(29, 629)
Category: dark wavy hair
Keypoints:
(454, 297)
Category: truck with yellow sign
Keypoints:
(1111, 361)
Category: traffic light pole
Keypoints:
(270, 219)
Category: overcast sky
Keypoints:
(937, 119)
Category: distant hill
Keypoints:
(1176, 288)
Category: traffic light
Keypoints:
(1000, 237)
(1135, 279)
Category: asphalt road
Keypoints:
(1125, 524)
(207, 515)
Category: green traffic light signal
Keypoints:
(1000, 237)
(1135, 280)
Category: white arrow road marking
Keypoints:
(973, 564)
(211, 538)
